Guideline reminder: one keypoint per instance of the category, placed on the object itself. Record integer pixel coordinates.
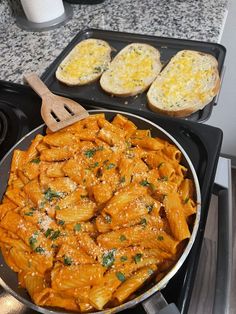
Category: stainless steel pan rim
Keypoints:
(161, 284)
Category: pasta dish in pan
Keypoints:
(93, 212)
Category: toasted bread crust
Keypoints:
(177, 113)
(108, 90)
(132, 70)
(187, 68)
(69, 70)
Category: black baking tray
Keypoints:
(201, 142)
(93, 94)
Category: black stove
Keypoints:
(20, 113)
(3, 126)
(17, 116)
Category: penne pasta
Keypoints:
(133, 283)
(93, 212)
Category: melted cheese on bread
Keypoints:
(189, 80)
(132, 70)
(85, 62)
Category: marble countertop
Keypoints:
(23, 51)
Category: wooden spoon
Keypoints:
(57, 111)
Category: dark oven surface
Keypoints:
(201, 142)
(93, 94)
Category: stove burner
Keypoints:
(3, 126)
(13, 125)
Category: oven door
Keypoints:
(211, 291)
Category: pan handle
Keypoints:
(157, 304)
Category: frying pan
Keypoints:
(8, 278)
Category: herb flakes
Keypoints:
(107, 218)
(55, 235)
(35, 160)
(77, 227)
(137, 257)
(150, 208)
(89, 153)
(48, 232)
(120, 276)
(39, 249)
(110, 166)
(124, 258)
(33, 240)
(49, 194)
(143, 222)
(67, 260)
(160, 238)
(29, 214)
(123, 238)
(108, 258)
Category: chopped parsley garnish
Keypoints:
(55, 235)
(77, 227)
(160, 238)
(138, 52)
(57, 207)
(160, 164)
(33, 240)
(123, 238)
(97, 69)
(49, 194)
(39, 249)
(29, 214)
(124, 258)
(143, 222)
(186, 200)
(48, 232)
(120, 276)
(108, 218)
(146, 183)
(90, 152)
(108, 258)
(67, 260)
(61, 222)
(35, 160)
(137, 258)
(122, 179)
(150, 207)
(110, 166)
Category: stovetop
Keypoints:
(20, 113)
(17, 118)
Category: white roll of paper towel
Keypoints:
(40, 11)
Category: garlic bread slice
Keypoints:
(85, 63)
(132, 70)
(187, 84)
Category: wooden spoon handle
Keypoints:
(35, 82)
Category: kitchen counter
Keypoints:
(23, 51)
